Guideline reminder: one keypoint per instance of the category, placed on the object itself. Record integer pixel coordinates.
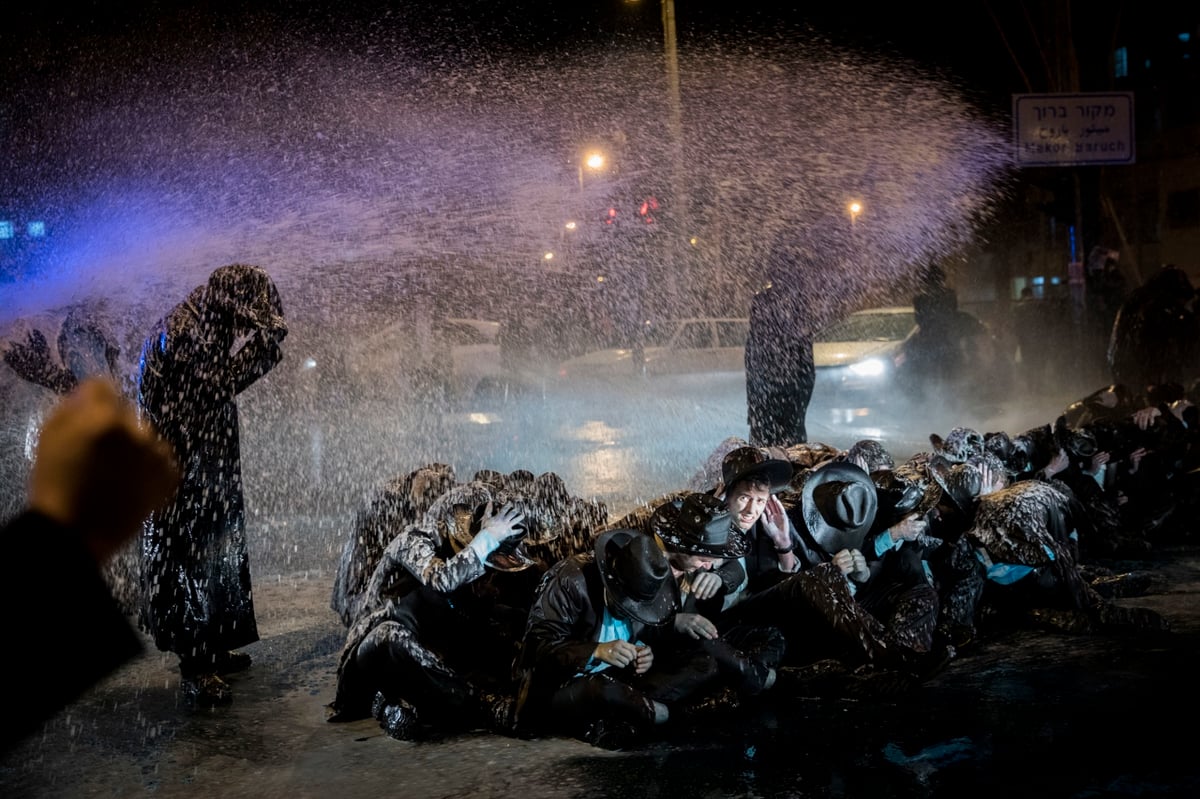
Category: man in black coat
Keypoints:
(598, 660)
(435, 639)
(780, 372)
(1156, 334)
(195, 571)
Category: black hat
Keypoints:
(636, 576)
(838, 504)
(959, 444)
(904, 491)
(745, 462)
(1079, 443)
(1013, 455)
(247, 293)
(959, 481)
(698, 524)
(872, 453)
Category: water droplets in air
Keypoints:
(382, 180)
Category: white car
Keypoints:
(457, 358)
(860, 354)
(678, 346)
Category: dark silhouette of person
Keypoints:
(1155, 337)
(85, 347)
(1031, 328)
(195, 571)
(779, 367)
(97, 472)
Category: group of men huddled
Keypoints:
(509, 604)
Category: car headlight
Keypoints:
(872, 367)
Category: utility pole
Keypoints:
(679, 197)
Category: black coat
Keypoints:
(780, 372)
(195, 570)
(562, 632)
(1156, 337)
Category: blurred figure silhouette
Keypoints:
(1031, 330)
(1156, 335)
(98, 471)
(779, 367)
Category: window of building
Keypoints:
(35, 230)
(6, 230)
(1121, 63)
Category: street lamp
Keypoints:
(593, 160)
(854, 207)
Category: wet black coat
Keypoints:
(780, 372)
(1156, 337)
(195, 571)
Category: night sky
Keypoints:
(38, 40)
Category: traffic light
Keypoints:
(610, 216)
(648, 209)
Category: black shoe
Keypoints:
(614, 736)
(1113, 618)
(232, 662)
(1060, 620)
(206, 690)
(871, 682)
(954, 636)
(1128, 584)
(397, 719)
(725, 700)
(498, 712)
(811, 679)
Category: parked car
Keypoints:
(870, 358)
(858, 357)
(455, 360)
(678, 346)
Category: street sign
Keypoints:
(1073, 129)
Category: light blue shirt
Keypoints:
(611, 629)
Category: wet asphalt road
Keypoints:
(1036, 713)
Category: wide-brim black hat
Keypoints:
(958, 481)
(637, 576)
(697, 524)
(903, 491)
(745, 462)
(838, 503)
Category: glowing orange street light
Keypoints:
(594, 160)
(855, 208)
